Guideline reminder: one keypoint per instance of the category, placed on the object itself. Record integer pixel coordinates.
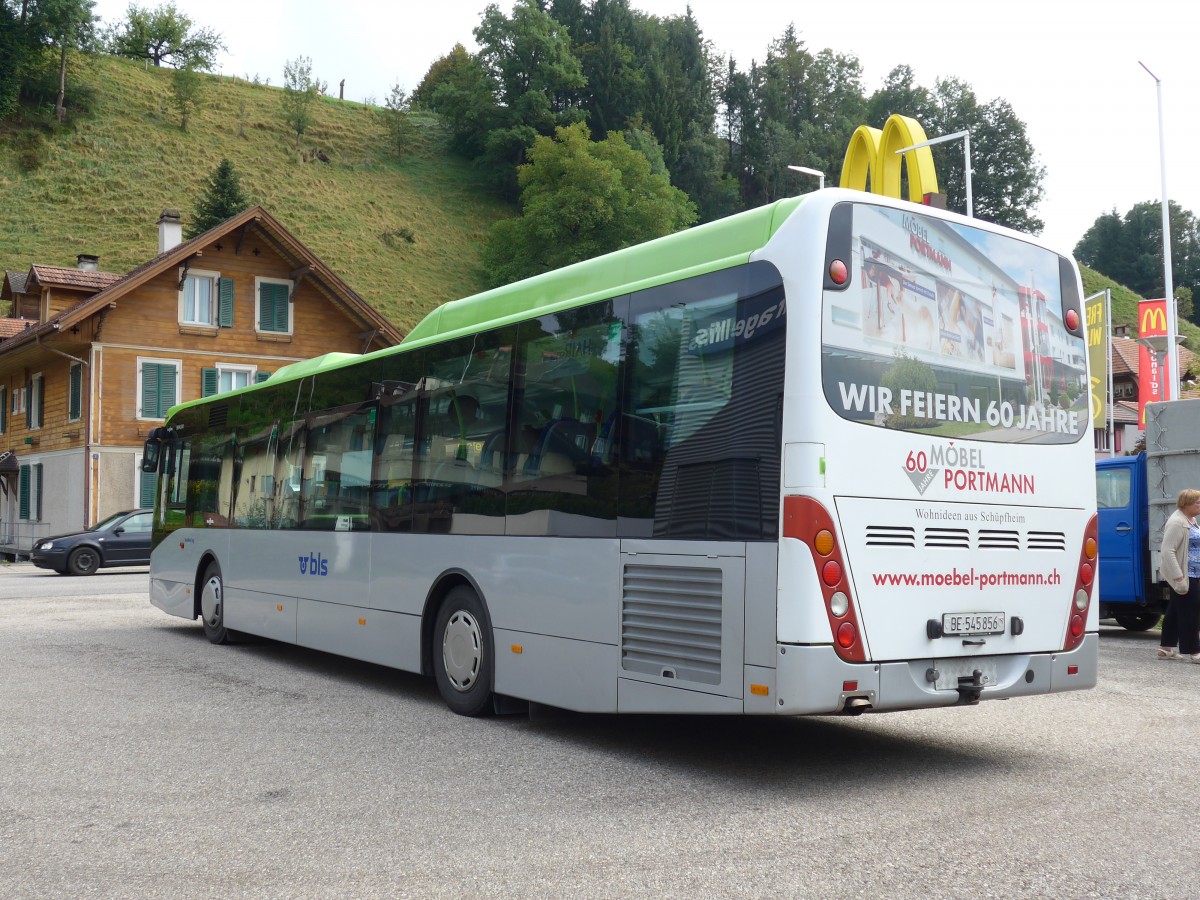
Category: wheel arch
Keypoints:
(442, 586)
(206, 558)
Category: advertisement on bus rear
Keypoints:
(952, 331)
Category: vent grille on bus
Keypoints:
(948, 537)
(1046, 540)
(961, 538)
(671, 622)
(998, 539)
(891, 536)
(218, 415)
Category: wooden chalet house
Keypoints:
(90, 361)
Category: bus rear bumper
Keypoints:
(814, 680)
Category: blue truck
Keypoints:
(1134, 496)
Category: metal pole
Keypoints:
(1172, 351)
(966, 136)
(1112, 421)
(967, 156)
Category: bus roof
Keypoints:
(695, 251)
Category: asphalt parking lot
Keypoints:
(138, 760)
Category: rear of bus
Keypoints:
(939, 523)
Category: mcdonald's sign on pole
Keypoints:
(1097, 343)
(1152, 323)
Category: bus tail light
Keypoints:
(1081, 597)
(807, 520)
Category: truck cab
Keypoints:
(1127, 591)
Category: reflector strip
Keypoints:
(760, 690)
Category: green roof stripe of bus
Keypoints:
(695, 251)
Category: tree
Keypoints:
(401, 131)
(186, 89)
(67, 25)
(299, 92)
(581, 198)
(165, 35)
(1129, 250)
(221, 199)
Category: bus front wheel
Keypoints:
(212, 605)
(462, 653)
(1134, 622)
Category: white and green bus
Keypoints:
(826, 456)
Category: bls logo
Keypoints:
(314, 565)
(872, 156)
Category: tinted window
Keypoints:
(700, 441)
(559, 460)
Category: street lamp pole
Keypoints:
(1172, 352)
(966, 139)
(816, 173)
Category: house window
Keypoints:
(18, 401)
(75, 393)
(274, 313)
(33, 409)
(158, 387)
(29, 492)
(225, 378)
(206, 299)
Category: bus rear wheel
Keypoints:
(212, 605)
(462, 653)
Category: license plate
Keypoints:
(968, 624)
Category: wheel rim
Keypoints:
(462, 650)
(85, 560)
(210, 602)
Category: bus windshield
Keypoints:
(951, 330)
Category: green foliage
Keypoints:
(401, 131)
(300, 89)
(581, 198)
(221, 198)
(1129, 249)
(187, 90)
(165, 35)
(908, 373)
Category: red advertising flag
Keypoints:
(1152, 322)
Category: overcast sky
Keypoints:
(1069, 69)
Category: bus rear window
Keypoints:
(951, 330)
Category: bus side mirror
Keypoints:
(151, 452)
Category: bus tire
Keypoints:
(212, 604)
(1133, 622)
(462, 653)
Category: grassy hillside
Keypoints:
(101, 186)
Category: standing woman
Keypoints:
(1180, 566)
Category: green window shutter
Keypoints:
(260, 376)
(273, 307)
(158, 389)
(23, 503)
(75, 402)
(149, 390)
(37, 494)
(210, 382)
(3, 410)
(225, 303)
(41, 402)
(29, 404)
(147, 489)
